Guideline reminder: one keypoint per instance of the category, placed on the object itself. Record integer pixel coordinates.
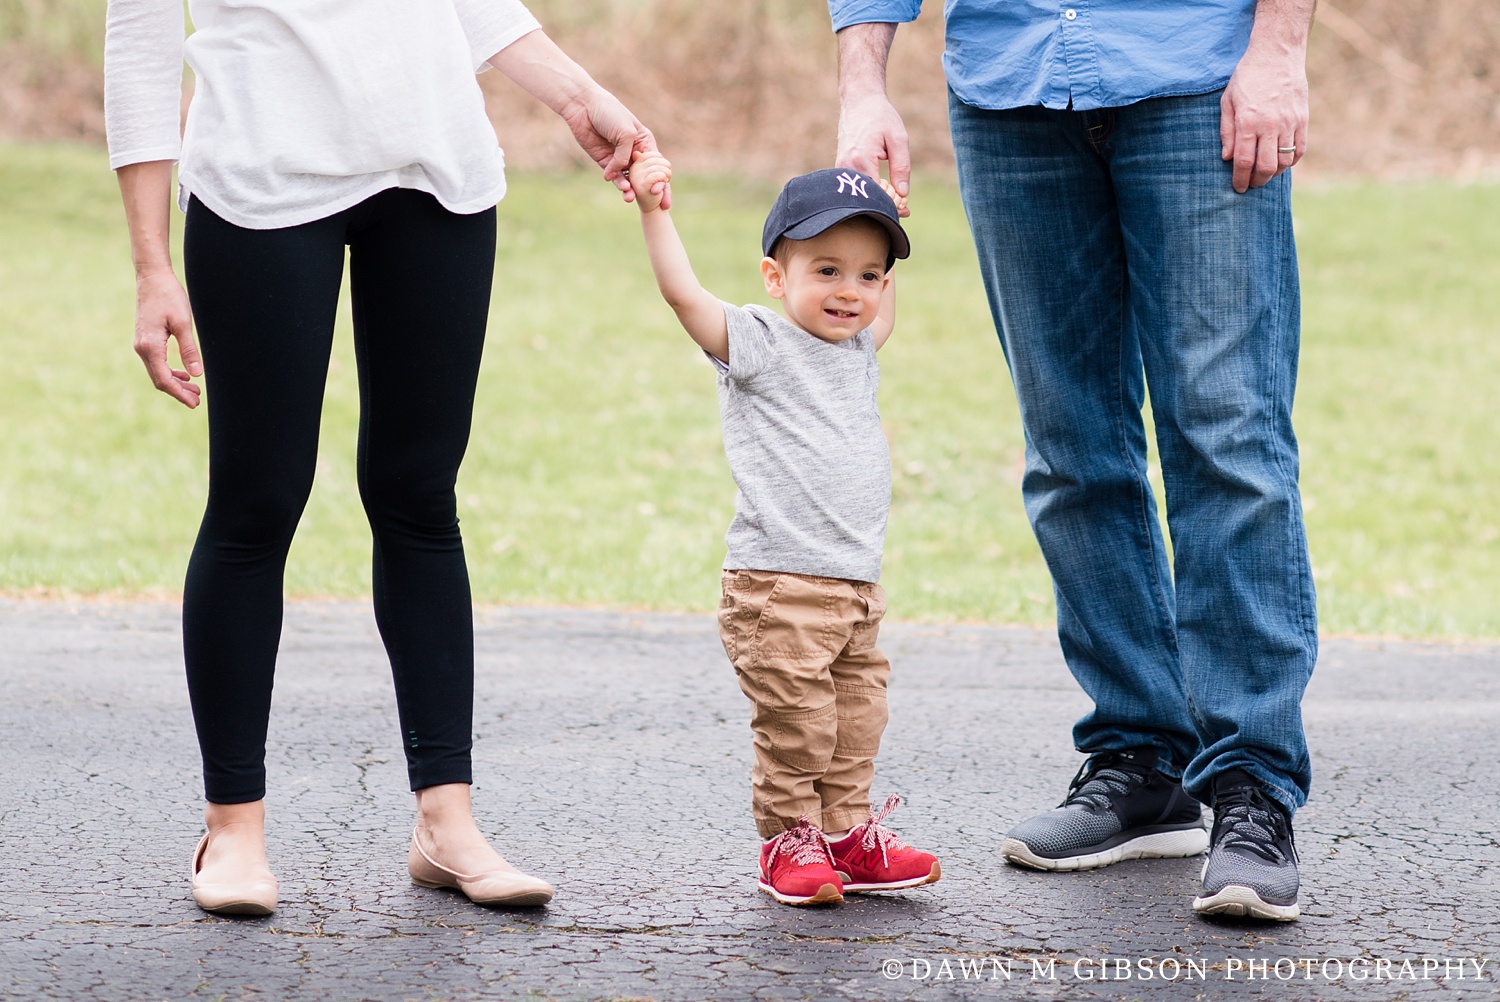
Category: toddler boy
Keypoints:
(801, 607)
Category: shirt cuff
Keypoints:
(145, 155)
(847, 12)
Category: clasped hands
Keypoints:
(650, 178)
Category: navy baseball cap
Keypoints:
(811, 203)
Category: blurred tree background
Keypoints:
(1400, 88)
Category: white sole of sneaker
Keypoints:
(1242, 901)
(1160, 845)
(828, 894)
(931, 878)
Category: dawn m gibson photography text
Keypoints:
(1366, 968)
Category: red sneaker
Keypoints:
(873, 858)
(796, 868)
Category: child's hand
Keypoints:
(650, 173)
(890, 190)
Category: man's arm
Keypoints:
(870, 128)
(699, 311)
(1263, 117)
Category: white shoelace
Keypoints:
(804, 845)
(875, 836)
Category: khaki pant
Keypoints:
(804, 650)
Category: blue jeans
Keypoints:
(1116, 257)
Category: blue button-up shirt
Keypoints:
(1076, 53)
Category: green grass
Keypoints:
(596, 474)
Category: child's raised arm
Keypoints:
(699, 311)
(885, 321)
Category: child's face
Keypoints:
(830, 285)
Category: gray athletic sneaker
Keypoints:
(1119, 806)
(1252, 868)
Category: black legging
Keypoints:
(264, 303)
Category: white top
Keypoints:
(305, 107)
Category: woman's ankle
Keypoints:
(218, 817)
(444, 806)
(236, 847)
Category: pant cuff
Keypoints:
(845, 817)
(440, 776)
(221, 788)
(771, 827)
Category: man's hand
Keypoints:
(650, 175)
(870, 128)
(161, 313)
(1263, 116)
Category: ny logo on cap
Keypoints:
(856, 184)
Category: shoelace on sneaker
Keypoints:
(1102, 776)
(1245, 818)
(875, 836)
(805, 845)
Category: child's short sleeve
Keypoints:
(750, 345)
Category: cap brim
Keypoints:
(820, 221)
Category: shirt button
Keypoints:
(1070, 14)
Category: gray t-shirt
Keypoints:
(803, 437)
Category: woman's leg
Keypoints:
(420, 281)
(263, 302)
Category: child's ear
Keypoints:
(771, 272)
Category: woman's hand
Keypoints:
(161, 305)
(603, 127)
(611, 136)
(162, 313)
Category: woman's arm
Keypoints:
(143, 80)
(161, 305)
(142, 115)
(604, 127)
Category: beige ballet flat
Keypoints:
(507, 888)
(250, 897)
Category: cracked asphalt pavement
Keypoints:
(612, 758)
